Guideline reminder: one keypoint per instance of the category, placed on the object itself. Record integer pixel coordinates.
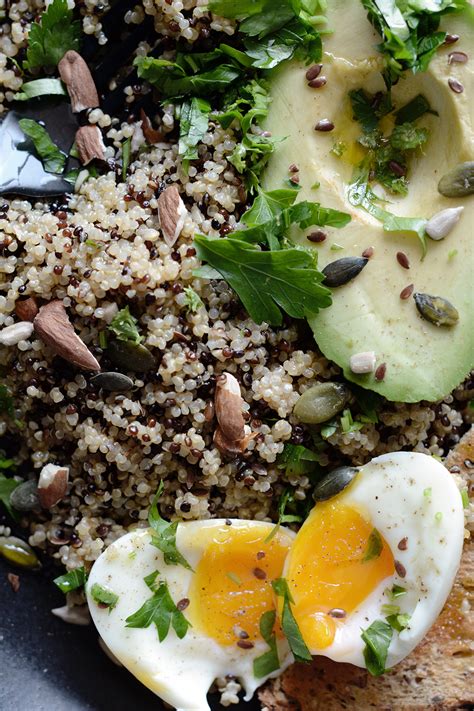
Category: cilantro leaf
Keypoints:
(173, 80)
(72, 580)
(51, 37)
(193, 301)
(7, 486)
(161, 611)
(267, 281)
(124, 325)
(374, 546)
(377, 640)
(52, 158)
(269, 661)
(193, 123)
(40, 87)
(163, 534)
(103, 596)
(289, 625)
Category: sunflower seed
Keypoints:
(459, 182)
(334, 482)
(440, 225)
(114, 382)
(343, 270)
(321, 402)
(436, 309)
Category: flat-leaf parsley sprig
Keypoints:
(163, 534)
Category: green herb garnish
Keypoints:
(52, 158)
(163, 534)
(7, 486)
(235, 578)
(465, 498)
(40, 87)
(374, 546)
(193, 301)
(439, 516)
(285, 499)
(427, 492)
(348, 424)
(396, 591)
(268, 662)
(193, 123)
(51, 37)
(297, 460)
(159, 610)
(103, 596)
(289, 625)
(398, 622)
(126, 155)
(124, 325)
(72, 580)
(377, 640)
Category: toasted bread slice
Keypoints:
(439, 674)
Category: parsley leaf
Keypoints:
(103, 596)
(192, 300)
(374, 546)
(398, 622)
(40, 87)
(193, 123)
(159, 610)
(126, 156)
(7, 486)
(267, 281)
(415, 109)
(51, 37)
(52, 158)
(124, 325)
(269, 661)
(173, 79)
(377, 640)
(406, 137)
(163, 534)
(289, 625)
(72, 580)
(297, 460)
(285, 499)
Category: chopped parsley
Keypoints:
(398, 622)
(193, 123)
(193, 301)
(72, 580)
(103, 596)
(7, 486)
(427, 492)
(126, 155)
(40, 87)
(297, 460)
(235, 578)
(52, 158)
(396, 591)
(289, 625)
(374, 546)
(269, 661)
(159, 610)
(163, 534)
(283, 517)
(124, 325)
(465, 498)
(51, 37)
(377, 638)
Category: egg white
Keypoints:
(180, 671)
(400, 494)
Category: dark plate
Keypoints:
(48, 665)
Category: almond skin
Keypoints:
(89, 144)
(228, 404)
(79, 82)
(26, 309)
(54, 328)
(52, 485)
(152, 136)
(232, 448)
(172, 214)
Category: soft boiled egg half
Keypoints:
(366, 576)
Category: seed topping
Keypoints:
(324, 125)
(342, 270)
(362, 362)
(457, 57)
(455, 85)
(403, 544)
(313, 72)
(400, 568)
(436, 309)
(403, 260)
(407, 291)
(379, 374)
(316, 236)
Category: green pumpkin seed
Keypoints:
(321, 403)
(25, 496)
(459, 182)
(343, 270)
(334, 482)
(115, 382)
(131, 356)
(436, 309)
(18, 552)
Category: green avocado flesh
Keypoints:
(423, 361)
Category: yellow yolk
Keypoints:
(231, 588)
(327, 572)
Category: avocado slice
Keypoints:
(423, 361)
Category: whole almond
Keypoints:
(52, 485)
(228, 404)
(89, 144)
(26, 309)
(232, 448)
(54, 328)
(172, 214)
(79, 82)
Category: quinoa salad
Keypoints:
(118, 385)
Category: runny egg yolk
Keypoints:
(336, 562)
(231, 588)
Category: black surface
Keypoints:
(48, 665)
